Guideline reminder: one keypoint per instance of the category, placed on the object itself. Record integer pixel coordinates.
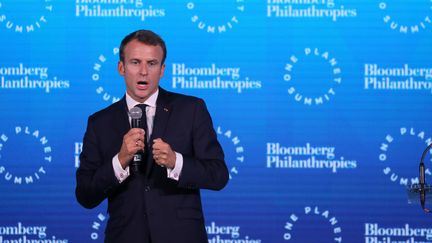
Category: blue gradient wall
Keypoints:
(322, 108)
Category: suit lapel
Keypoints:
(163, 111)
(122, 117)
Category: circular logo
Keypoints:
(224, 16)
(394, 149)
(24, 16)
(104, 89)
(233, 148)
(313, 219)
(23, 155)
(418, 11)
(308, 84)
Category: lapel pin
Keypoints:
(166, 109)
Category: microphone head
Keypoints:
(135, 113)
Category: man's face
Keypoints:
(141, 69)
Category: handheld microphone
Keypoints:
(136, 113)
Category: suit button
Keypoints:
(147, 188)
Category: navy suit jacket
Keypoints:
(150, 204)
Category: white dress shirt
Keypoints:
(121, 173)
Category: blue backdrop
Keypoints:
(321, 106)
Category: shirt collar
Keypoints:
(151, 101)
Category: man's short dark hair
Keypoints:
(147, 37)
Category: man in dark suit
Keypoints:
(161, 202)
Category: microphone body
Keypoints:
(422, 184)
(136, 114)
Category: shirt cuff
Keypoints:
(120, 173)
(174, 173)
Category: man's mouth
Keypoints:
(142, 84)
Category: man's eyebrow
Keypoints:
(153, 60)
(135, 59)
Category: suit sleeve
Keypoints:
(206, 168)
(95, 176)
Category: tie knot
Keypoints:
(142, 106)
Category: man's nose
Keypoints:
(143, 69)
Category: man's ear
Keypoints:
(162, 71)
(121, 68)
